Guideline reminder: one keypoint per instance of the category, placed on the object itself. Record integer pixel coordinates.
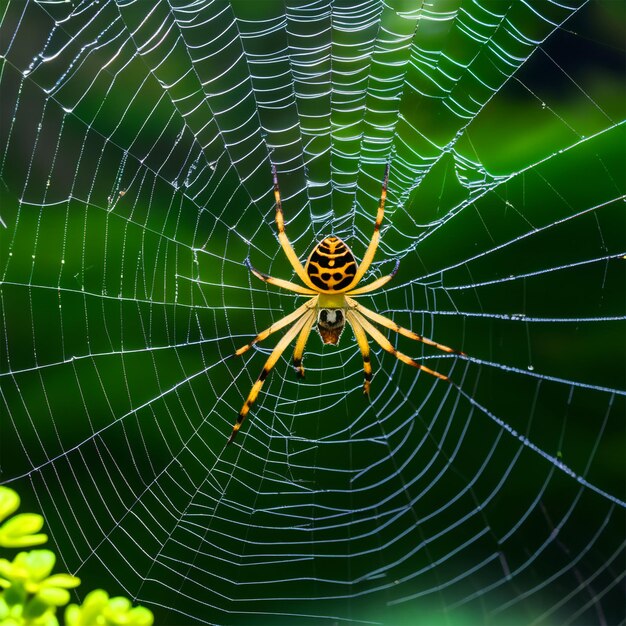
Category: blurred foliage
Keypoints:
(136, 181)
(31, 593)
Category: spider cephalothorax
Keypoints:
(331, 276)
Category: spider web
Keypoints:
(136, 147)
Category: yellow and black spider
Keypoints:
(331, 276)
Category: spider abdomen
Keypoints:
(330, 324)
(331, 265)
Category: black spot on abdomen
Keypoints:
(331, 254)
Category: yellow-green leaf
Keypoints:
(19, 531)
(141, 616)
(5, 568)
(65, 581)
(25, 541)
(54, 596)
(9, 502)
(87, 614)
(22, 524)
(119, 604)
(72, 615)
(39, 563)
(97, 597)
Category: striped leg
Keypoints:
(373, 245)
(364, 347)
(269, 364)
(279, 282)
(282, 236)
(301, 342)
(285, 321)
(385, 344)
(387, 323)
(377, 284)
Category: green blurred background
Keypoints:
(136, 140)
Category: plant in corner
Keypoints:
(31, 593)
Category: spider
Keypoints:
(331, 276)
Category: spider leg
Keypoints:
(285, 321)
(373, 245)
(269, 364)
(377, 284)
(301, 342)
(385, 344)
(279, 282)
(364, 347)
(387, 323)
(282, 235)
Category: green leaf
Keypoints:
(119, 604)
(98, 608)
(65, 581)
(4, 610)
(141, 616)
(39, 563)
(18, 532)
(15, 594)
(35, 608)
(22, 524)
(97, 597)
(6, 567)
(54, 596)
(9, 502)
(72, 615)
(26, 541)
(89, 611)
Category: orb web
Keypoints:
(135, 161)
